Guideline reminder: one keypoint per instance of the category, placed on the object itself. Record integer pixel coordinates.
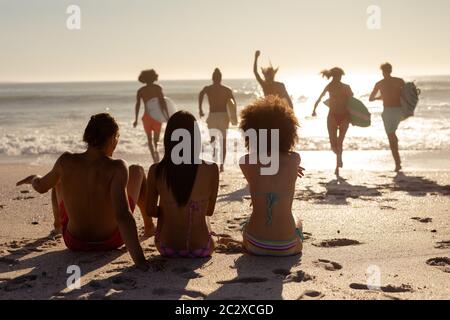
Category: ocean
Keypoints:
(47, 119)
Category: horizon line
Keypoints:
(177, 79)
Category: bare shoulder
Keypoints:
(118, 166)
(294, 157)
(152, 169)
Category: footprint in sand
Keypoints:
(328, 265)
(299, 276)
(311, 295)
(336, 243)
(228, 245)
(389, 288)
(19, 198)
(387, 208)
(22, 282)
(2, 206)
(189, 294)
(442, 263)
(423, 220)
(282, 272)
(443, 245)
(9, 261)
(245, 280)
(24, 191)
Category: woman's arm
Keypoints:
(214, 190)
(318, 101)
(255, 68)
(200, 102)
(152, 193)
(136, 109)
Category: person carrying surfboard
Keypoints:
(218, 119)
(338, 117)
(268, 84)
(390, 89)
(145, 94)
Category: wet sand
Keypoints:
(366, 226)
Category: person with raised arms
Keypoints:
(268, 84)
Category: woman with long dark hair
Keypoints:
(186, 188)
(338, 119)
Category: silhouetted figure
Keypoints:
(338, 117)
(146, 93)
(218, 119)
(269, 85)
(391, 91)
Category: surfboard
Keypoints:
(232, 112)
(409, 99)
(153, 109)
(359, 114)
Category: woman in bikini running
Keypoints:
(338, 116)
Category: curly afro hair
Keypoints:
(271, 112)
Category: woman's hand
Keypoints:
(257, 54)
(135, 123)
(27, 180)
(314, 114)
(300, 172)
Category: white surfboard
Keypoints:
(409, 99)
(154, 110)
(232, 112)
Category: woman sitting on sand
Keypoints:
(187, 192)
(147, 93)
(338, 117)
(269, 85)
(272, 230)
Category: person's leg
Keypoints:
(155, 141)
(340, 142)
(56, 200)
(393, 143)
(136, 189)
(151, 146)
(332, 133)
(224, 149)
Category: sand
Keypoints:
(370, 225)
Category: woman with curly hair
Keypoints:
(338, 117)
(272, 230)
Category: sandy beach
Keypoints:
(368, 225)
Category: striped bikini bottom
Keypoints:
(273, 248)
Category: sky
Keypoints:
(187, 39)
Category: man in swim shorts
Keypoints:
(94, 195)
(391, 91)
(218, 97)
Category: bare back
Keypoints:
(177, 224)
(282, 186)
(86, 190)
(391, 91)
(218, 96)
(339, 95)
(149, 92)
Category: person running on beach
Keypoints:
(218, 119)
(183, 229)
(94, 195)
(148, 92)
(272, 229)
(268, 84)
(338, 116)
(391, 91)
